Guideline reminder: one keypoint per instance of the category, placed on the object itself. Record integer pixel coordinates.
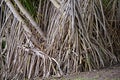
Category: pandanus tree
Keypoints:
(42, 38)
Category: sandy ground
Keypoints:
(111, 73)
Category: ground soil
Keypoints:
(111, 73)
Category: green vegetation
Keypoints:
(3, 44)
(31, 6)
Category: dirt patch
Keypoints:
(111, 73)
